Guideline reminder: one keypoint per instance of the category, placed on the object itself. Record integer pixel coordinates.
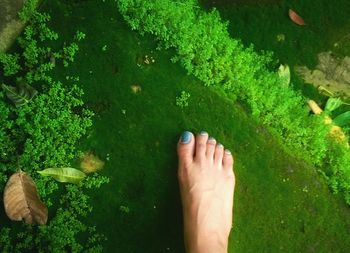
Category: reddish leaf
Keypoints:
(295, 17)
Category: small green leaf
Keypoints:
(284, 74)
(332, 104)
(342, 119)
(64, 175)
(19, 95)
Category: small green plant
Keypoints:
(10, 63)
(69, 53)
(124, 209)
(28, 9)
(182, 100)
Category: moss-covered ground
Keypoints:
(265, 23)
(281, 204)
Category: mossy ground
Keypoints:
(281, 204)
(260, 22)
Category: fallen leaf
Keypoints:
(136, 88)
(314, 107)
(21, 200)
(91, 163)
(64, 175)
(295, 17)
(342, 119)
(284, 74)
(20, 95)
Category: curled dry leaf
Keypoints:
(91, 163)
(284, 74)
(21, 200)
(295, 17)
(314, 107)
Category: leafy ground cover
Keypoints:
(42, 120)
(281, 204)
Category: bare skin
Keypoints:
(207, 183)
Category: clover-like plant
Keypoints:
(182, 100)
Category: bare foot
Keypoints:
(207, 184)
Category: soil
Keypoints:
(331, 73)
(10, 25)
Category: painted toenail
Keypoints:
(186, 137)
(220, 145)
(228, 152)
(203, 133)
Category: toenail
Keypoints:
(186, 137)
(211, 140)
(220, 145)
(228, 152)
(203, 133)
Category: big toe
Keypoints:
(185, 148)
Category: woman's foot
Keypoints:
(207, 184)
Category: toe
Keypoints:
(201, 145)
(211, 143)
(219, 152)
(185, 148)
(227, 161)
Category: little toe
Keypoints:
(201, 145)
(227, 160)
(211, 144)
(219, 152)
(185, 148)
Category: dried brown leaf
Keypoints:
(91, 163)
(22, 201)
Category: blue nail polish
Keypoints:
(186, 137)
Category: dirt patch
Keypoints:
(331, 73)
(10, 25)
